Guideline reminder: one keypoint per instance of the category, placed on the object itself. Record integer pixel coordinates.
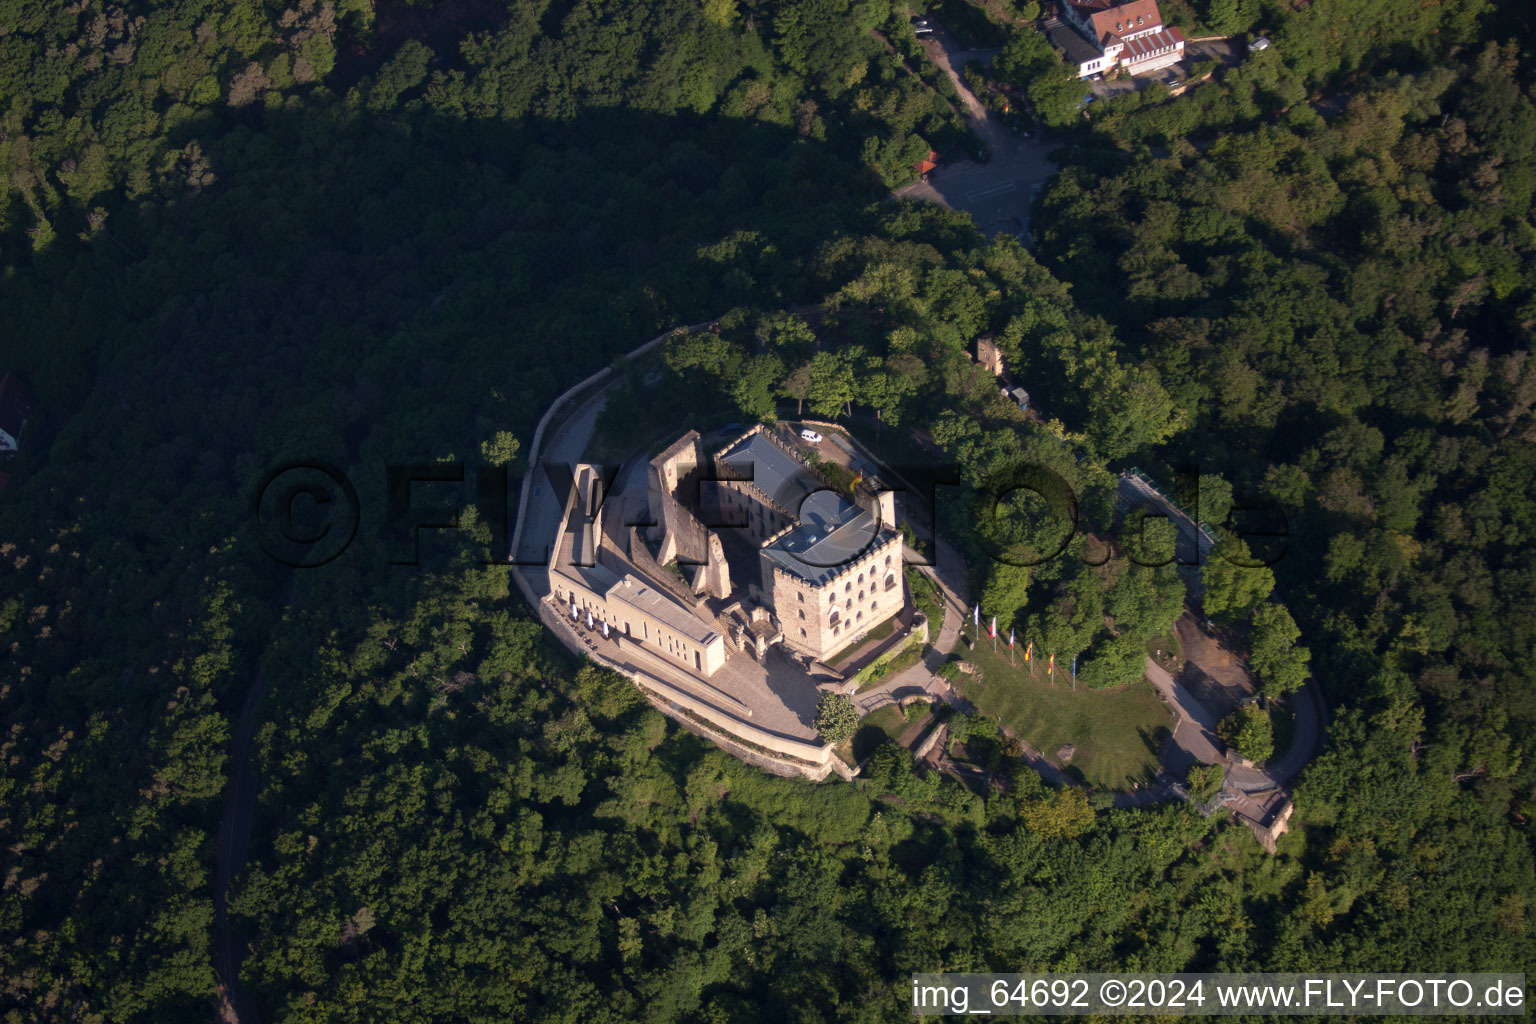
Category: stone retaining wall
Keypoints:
(811, 760)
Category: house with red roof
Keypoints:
(15, 406)
(1121, 33)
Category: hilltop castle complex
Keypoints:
(767, 551)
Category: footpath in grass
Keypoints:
(1117, 733)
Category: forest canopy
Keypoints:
(240, 233)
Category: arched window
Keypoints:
(801, 596)
(861, 579)
(847, 588)
(833, 620)
(802, 632)
(836, 630)
(872, 606)
(859, 617)
(890, 582)
(802, 615)
(861, 595)
(848, 603)
(887, 561)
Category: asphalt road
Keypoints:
(544, 503)
(997, 193)
(1192, 544)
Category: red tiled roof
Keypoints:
(1148, 46)
(1109, 19)
(924, 166)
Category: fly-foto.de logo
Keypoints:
(305, 513)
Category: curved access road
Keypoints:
(1194, 735)
(234, 837)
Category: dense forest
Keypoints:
(236, 234)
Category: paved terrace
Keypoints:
(776, 696)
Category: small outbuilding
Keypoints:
(15, 406)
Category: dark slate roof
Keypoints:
(818, 548)
(772, 471)
(831, 530)
(1078, 49)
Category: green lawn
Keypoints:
(877, 727)
(1282, 718)
(925, 595)
(1117, 733)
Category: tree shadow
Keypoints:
(373, 291)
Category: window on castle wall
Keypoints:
(802, 613)
(848, 603)
(890, 582)
(861, 595)
(859, 617)
(836, 630)
(801, 597)
(872, 606)
(847, 588)
(802, 632)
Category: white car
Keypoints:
(810, 435)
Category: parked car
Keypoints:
(810, 435)
(921, 27)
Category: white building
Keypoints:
(1120, 34)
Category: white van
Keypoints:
(810, 435)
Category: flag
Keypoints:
(976, 615)
(1051, 667)
(993, 633)
(1029, 649)
(1010, 638)
(1074, 668)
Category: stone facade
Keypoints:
(822, 617)
(640, 612)
(830, 567)
(674, 477)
